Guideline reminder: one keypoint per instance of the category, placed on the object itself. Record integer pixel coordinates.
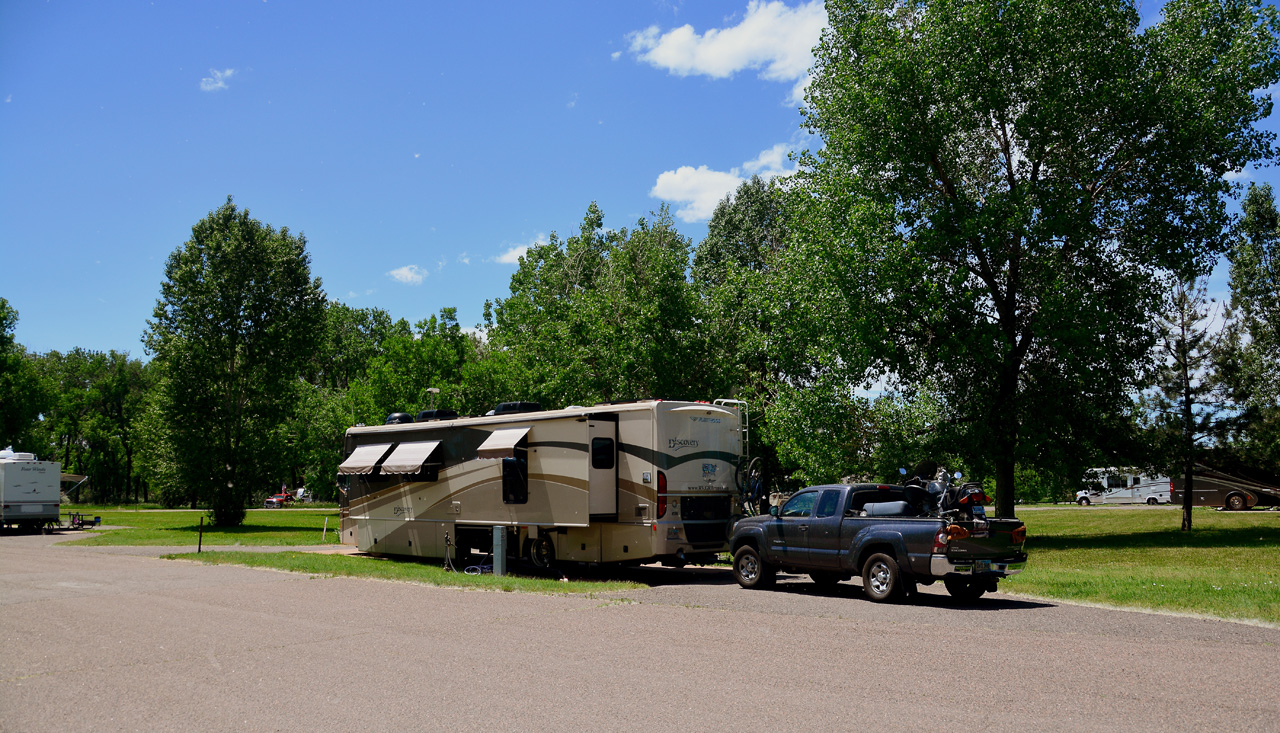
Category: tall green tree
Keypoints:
(605, 315)
(23, 395)
(1186, 402)
(1249, 360)
(232, 333)
(1006, 191)
(89, 424)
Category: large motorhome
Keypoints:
(1123, 486)
(1216, 488)
(633, 482)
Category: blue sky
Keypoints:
(418, 146)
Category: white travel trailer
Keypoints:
(1123, 486)
(31, 497)
(613, 483)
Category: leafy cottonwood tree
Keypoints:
(234, 327)
(605, 315)
(1005, 192)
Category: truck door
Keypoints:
(788, 533)
(602, 472)
(824, 530)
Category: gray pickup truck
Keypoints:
(894, 537)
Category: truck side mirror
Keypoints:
(773, 511)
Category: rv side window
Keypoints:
(1116, 482)
(602, 453)
(515, 481)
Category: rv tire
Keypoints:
(1083, 501)
(1153, 501)
(542, 553)
(1236, 503)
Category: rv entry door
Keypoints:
(602, 476)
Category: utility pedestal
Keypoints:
(499, 550)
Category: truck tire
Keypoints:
(825, 579)
(750, 570)
(1083, 501)
(1236, 503)
(881, 579)
(964, 589)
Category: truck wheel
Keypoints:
(1083, 501)
(750, 570)
(881, 580)
(964, 589)
(825, 579)
(1237, 503)
(542, 553)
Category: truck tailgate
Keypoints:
(989, 539)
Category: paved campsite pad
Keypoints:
(96, 638)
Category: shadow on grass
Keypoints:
(1204, 538)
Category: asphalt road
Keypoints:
(115, 639)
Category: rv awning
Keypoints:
(502, 443)
(409, 457)
(364, 458)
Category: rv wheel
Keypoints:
(542, 553)
(1083, 501)
(1237, 503)
(1153, 501)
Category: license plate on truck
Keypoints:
(32, 508)
(981, 566)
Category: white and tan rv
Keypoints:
(614, 483)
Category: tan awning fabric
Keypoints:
(364, 458)
(409, 457)
(502, 443)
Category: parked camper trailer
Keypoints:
(1123, 486)
(29, 491)
(614, 483)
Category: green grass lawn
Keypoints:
(430, 573)
(1227, 566)
(261, 527)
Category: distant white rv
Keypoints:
(1123, 486)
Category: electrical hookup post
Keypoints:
(499, 550)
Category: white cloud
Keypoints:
(615, 55)
(464, 258)
(773, 38)
(216, 80)
(512, 255)
(8, 99)
(1240, 175)
(698, 190)
(409, 274)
